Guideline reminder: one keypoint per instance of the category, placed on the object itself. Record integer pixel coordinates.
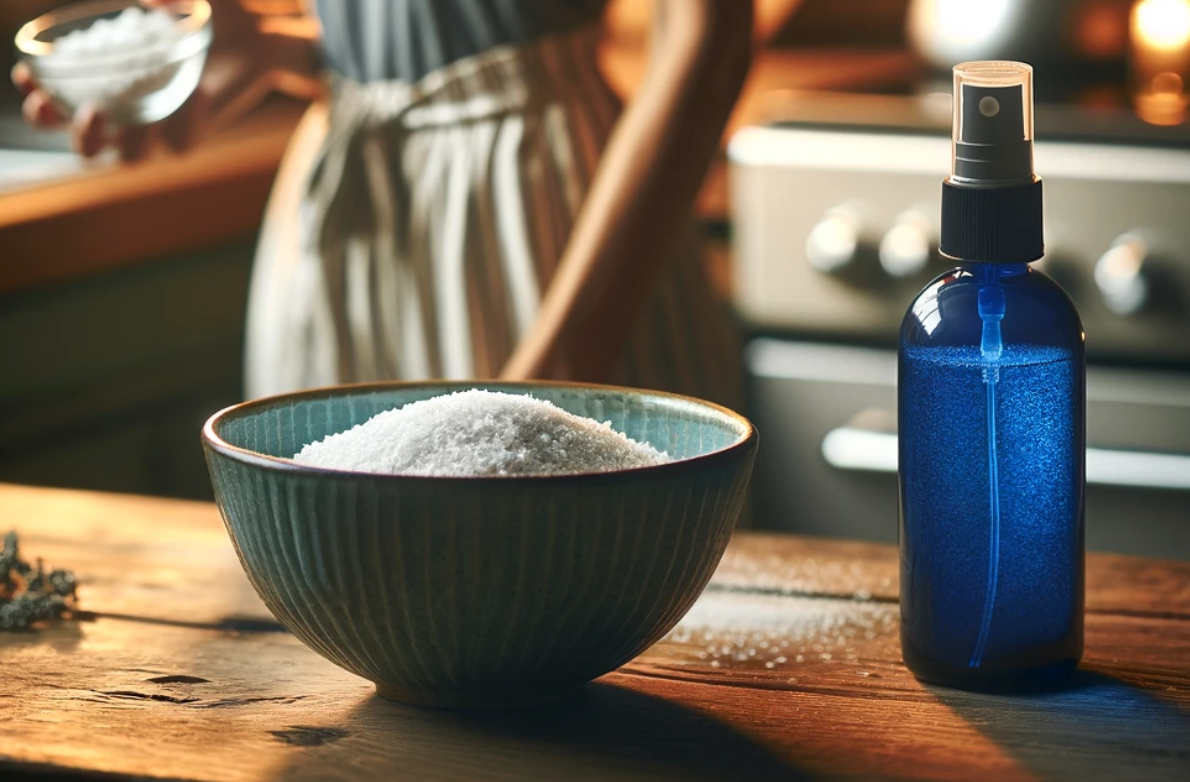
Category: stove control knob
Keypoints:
(907, 247)
(1121, 276)
(834, 242)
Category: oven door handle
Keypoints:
(869, 450)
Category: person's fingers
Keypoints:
(40, 112)
(22, 77)
(184, 128)
(134, 142)
(89, 133)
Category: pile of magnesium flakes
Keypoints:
(479, 433)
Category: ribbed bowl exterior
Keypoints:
(479, 591)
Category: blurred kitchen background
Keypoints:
(122, 289)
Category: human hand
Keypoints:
(235, 73)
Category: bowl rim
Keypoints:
(198, 17)
(214, 442)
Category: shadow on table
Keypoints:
(606, 732)
(62, 636)
(1096, 728)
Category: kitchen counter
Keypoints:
(63, 220)
(69, 220)
(179, 673)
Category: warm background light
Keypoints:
(965, 22)
(1162, 24)
(1159, 60)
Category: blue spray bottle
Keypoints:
(991, 400)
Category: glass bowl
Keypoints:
(135, 84)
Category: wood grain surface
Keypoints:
(787, 668)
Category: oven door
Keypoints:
(828, 461)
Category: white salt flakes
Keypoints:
(473, 433)
(133, 56)
(134, 28)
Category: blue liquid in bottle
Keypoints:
(992, 444)
(991, 456)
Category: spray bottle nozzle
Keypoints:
(993, 123)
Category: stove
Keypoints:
(835, 204)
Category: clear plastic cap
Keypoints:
(992, 138)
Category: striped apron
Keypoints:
(414, 228)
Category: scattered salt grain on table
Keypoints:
(478, 432)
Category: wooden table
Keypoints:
(787, 668)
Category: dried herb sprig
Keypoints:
(29, 593)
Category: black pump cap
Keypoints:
(991, 145)
(992, 224)
(991, 203)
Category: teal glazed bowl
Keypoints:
(479, 592)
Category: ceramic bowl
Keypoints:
(134, 85)
(479, 592)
